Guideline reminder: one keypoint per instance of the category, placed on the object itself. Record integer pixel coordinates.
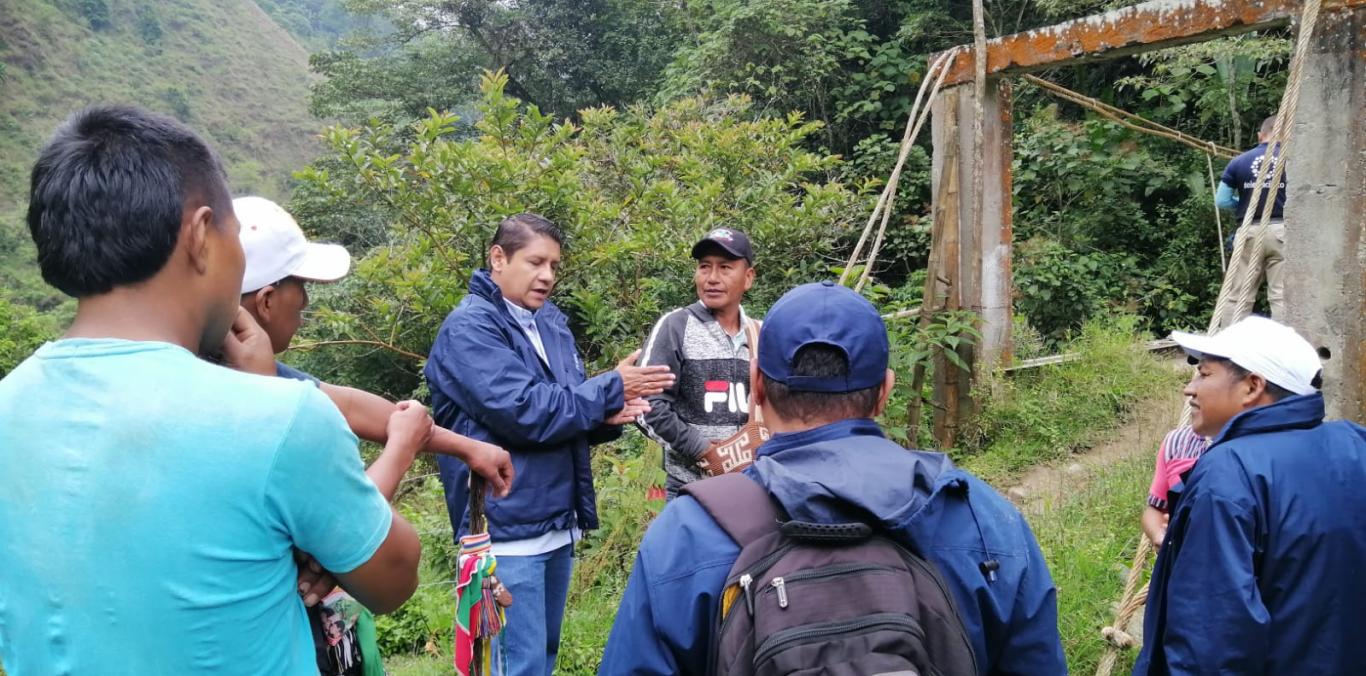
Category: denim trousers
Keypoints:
(539, 585)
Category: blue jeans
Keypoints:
(539, 585)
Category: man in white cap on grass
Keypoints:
(280, 261)
(1263, 569)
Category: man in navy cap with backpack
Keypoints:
(838, 548)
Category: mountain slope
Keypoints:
(222, 66)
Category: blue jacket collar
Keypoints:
(852, 427)
(848, 471)
(1298, 412)
(482, 285)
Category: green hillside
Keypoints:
(223, 66)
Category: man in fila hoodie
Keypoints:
(706, 346)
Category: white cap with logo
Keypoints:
(276, 248)
(1267, 348)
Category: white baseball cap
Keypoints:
(276, 247)
(1267, 348)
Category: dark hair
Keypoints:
(107, 196)
(1268, 126)
(1276, 392)
(515, 232)
(820, 361)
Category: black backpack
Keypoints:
(843, 599)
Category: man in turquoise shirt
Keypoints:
(152, 500)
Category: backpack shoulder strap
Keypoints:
(738, 504)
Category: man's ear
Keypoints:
(1253, 390)
(888, 383)
(749, 277)
(756, 385)
(497, 258)
(194, 231)
(263, 303)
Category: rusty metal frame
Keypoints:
(1145, 27)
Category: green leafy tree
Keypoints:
(633, 188)
(25, 330)
(1218, 90)
(561, 55)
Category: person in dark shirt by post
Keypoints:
(1235, 192)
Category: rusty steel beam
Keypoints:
(1144, 27)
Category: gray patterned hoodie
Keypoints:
(709, 400)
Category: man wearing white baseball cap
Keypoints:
(1261, 569)
(279, 261)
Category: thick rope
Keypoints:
(1239, 283)
(1127, 119)
(1218, 220)
(937, 72)
(1116, 634)
(1238, 298)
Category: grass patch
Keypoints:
(1046, 414)
(1088, 539)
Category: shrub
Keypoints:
(633, 190)
(25, 330)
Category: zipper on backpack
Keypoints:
(837, 569)
(862, 625)
(745, 581)
(779, 584)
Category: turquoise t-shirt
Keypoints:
(150, 503)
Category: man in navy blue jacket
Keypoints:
(504, 369)
(1262, 568)
(821, 377)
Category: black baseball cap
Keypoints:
(730, 240)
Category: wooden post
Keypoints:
(948, 202)
(976, 252)
(936, 289)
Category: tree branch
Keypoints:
(355, 341)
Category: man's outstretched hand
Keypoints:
(643, 381)
(633, 409)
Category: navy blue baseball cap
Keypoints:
(825, 313)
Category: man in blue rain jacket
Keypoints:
(835, 469)
(1262, 568)
(504, 369)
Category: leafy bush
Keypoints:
(149, 25)
(1059, 289)
(633, 190)
(25, 330)
(96, 12)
